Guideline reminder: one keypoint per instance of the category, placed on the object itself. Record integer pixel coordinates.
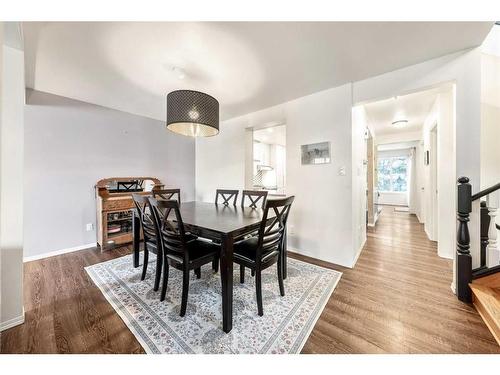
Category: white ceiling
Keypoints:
(271, 135)
(412, 107)
(246, 65)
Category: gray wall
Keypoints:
(69, 146)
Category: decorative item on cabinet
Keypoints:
(115, 207)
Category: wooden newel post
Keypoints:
(464, 259)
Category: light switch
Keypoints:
(342, 171)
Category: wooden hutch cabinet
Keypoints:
(115, 207)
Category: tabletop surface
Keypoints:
(218, 217)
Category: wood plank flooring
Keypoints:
(397, 299)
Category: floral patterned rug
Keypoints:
(284, 328)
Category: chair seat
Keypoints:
(153, 242)
(197, 249)
(246, 250)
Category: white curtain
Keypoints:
(412, 181)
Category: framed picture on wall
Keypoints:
(315, 153)
(426, 157)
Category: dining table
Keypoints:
(222, 224)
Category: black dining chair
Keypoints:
(262, 251)
(254, 196)
(226, 196)
(167, 194)
(180, 250)
(146, 218)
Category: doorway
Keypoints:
(413, 163)
(268, 150)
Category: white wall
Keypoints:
(11, 183)
(359, 178)
(442, 114)
(490, 126)
(490, 120)
(393, 198)
(70, 145)
(321, 216)
(490, 145)
(405, 136)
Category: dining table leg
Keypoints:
(226, 274)
(136, 238)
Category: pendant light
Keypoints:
(192, 113)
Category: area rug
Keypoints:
(284, 328)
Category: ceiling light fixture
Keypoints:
(400, 123)
(192, 113)
(181, 74)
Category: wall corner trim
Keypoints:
(59, 252)
(12, 322)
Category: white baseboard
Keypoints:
(297, 251)
(428, 235)
(300, 252)
(59, 252)
(358, 253)
(12, 322)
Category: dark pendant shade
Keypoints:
(192, 113)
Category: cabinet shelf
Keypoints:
(118, 234)
(119, 220)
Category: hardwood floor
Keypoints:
(397, 299)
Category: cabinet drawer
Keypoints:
(117, 204)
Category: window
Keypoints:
(392, 173)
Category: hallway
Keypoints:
(397, 299)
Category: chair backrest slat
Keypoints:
(170, 228)
(226, 196)
(167, 194)
(272, 229)
(254, 196)
(145, 216)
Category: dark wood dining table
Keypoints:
(223, 224)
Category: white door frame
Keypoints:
(434, 171)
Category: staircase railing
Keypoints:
(489, 261)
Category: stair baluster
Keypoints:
(492, 250)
